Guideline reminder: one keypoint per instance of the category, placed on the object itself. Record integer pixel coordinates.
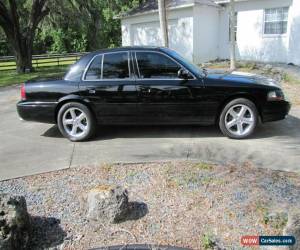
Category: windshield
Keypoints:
(191, 66)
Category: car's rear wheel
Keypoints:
(238, 118)
(76, 122)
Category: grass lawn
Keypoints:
(45, 62)
(11, 77)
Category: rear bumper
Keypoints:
(37, 111)
(276, 110)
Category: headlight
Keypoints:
(275, 95)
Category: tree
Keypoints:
(232, 35)
(19, 20)
(163, 22)
(101, 26)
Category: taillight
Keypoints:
(23, 92)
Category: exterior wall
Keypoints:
(201, 33)
(294, 37)
(252, 44)
(145, 30)
(206, 36)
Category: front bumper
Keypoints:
(37, 111)
(275, 110)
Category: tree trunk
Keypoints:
(232, 36)
(20, 34)
(23, 54)
(94, 34)
(163, 22)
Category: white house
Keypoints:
(266, 30)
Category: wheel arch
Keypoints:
(236, 96)
(74, 98)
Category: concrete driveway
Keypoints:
(28, 148)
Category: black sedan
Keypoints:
(150, 85)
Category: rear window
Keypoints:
(94, 71)
(75, 72)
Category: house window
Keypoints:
(276, 21)
(235, 26)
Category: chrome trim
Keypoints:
(102, 61)
(36, 103)
(130, 77)
(137, 65)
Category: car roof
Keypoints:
(127, 48)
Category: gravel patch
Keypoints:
(185, 201)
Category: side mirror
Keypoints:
(184, 74)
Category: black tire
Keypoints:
(89, 119)
(239, 101)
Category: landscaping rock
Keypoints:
(14, 222)
(108, 204)
(293, 228)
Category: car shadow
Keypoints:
(285, 128)
(146, 131)
(53, 132)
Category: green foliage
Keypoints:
(204, 166)
(291, 79)
(75, 25)
(79, 44)
(58, 44)
(207, 241)
(4, 48)
(276, 220)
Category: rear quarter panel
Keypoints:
(49, 91)
(43, 98)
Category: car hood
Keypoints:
(241, 77)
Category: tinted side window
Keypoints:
(156, 65)
(94, 71)
(115, 65)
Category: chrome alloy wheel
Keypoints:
(75, 122)
(239, 119)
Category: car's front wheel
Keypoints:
(238, 118)
(76, 122)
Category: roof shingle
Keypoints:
(152, 5)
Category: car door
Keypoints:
(163, 97)
(110, 86)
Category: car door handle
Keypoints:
(91, 90)
(145, 89)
